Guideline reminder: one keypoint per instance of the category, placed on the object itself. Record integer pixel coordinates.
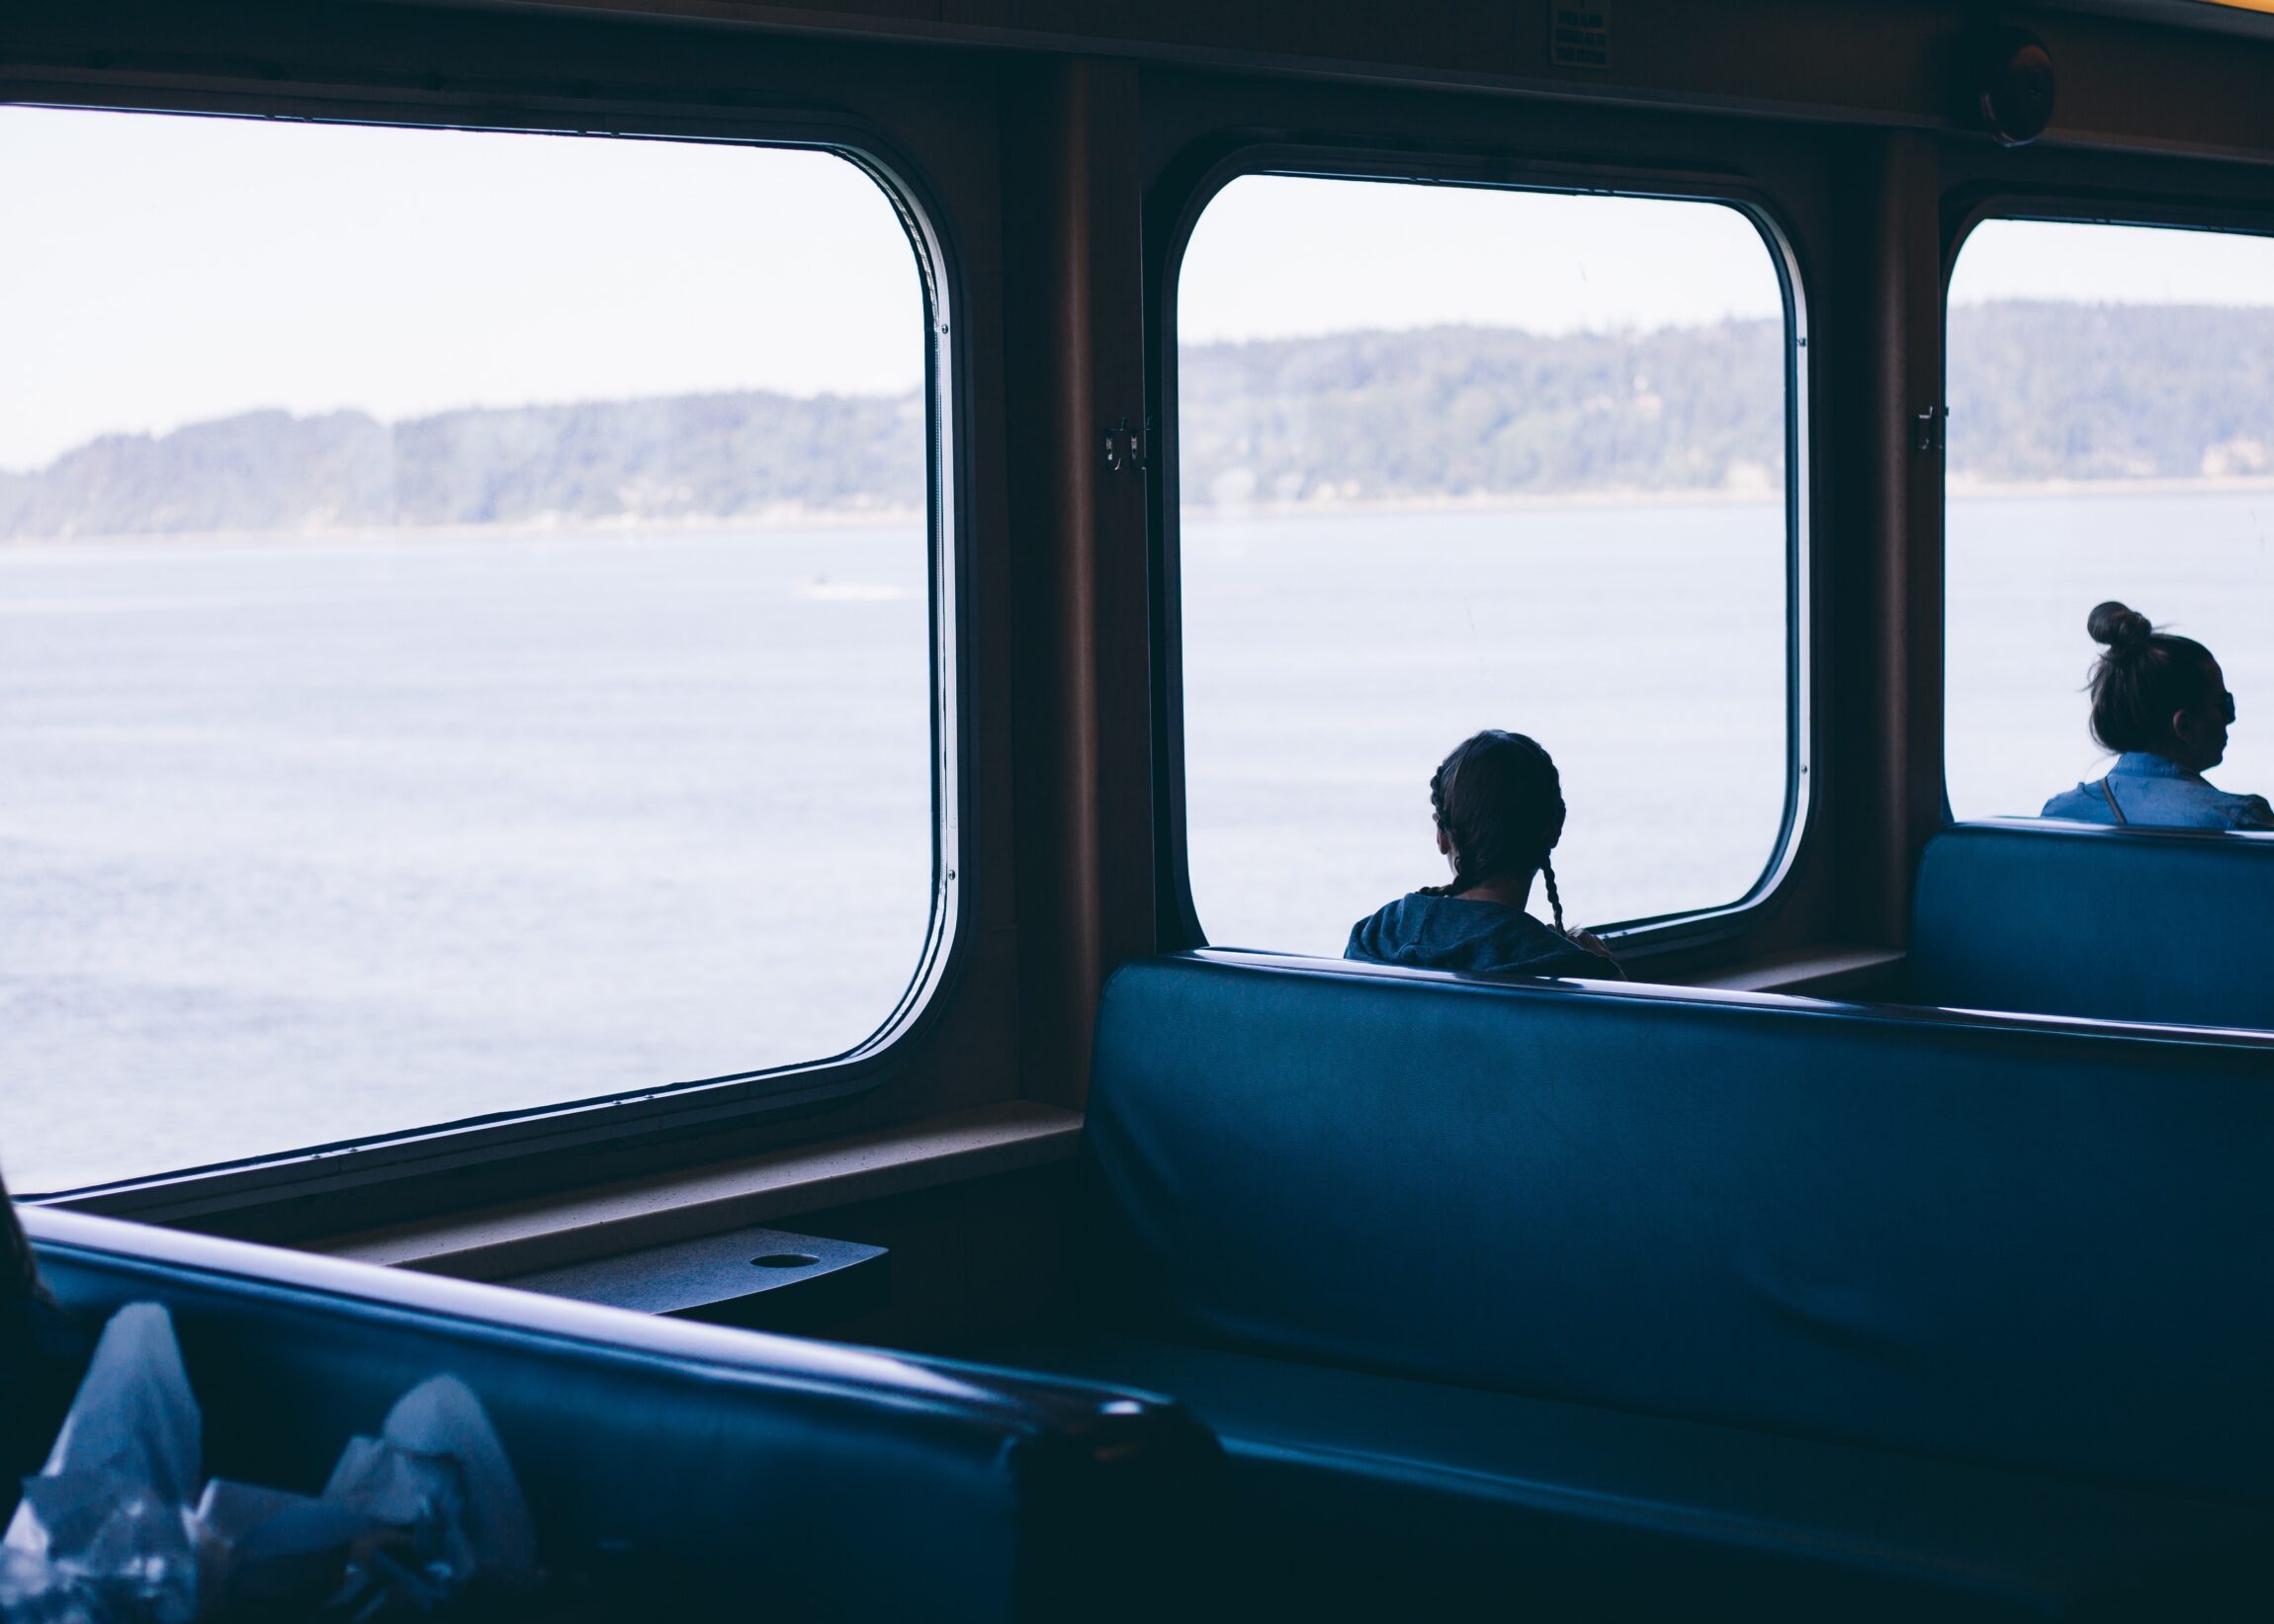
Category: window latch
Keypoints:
(1927, 429)
(1124, 447)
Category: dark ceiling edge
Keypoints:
(2173, 19)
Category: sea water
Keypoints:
(307, 841)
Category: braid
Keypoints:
(1554, 900)
(1456, 885)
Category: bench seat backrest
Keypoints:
(2009, 1240)
(714, 1472)
(2114, 924)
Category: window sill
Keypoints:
(526, 1236)
(1828, 972)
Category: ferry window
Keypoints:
(2111, 435)
(1453, 459)
(468, 638)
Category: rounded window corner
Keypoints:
(566, 1113)
(1783, 294)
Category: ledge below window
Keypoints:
(1830, 972)
(525, 1236)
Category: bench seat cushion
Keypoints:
(2113, 924)
(1361, 1492)
(1992, 1239)
(689, 1472)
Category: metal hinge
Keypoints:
(1927, 429)
(1125, 446)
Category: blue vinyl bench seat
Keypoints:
(1531, 1506)
(715, 1472)
(1598, 1298)
(2129, 925)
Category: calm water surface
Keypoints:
(304, 841)
(2024, 571)
(1330, 664)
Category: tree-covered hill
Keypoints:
(2067, 391)
(708, 456)
(2037, 392)
(1475, 412)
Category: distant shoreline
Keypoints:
(1722, 496)
(2206, 485)
(1499, 502)
(878, 518)
(779, 520)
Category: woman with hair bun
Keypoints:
(2161, 702)
(1499, 807)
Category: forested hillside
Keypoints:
(2037, 392)
(2063, 392)
(1470, 411)
(710, 456)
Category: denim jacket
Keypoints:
(1422, 931)
(2154, 793)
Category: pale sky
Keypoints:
(2111, 265)
(158, 270)
(1282, 256)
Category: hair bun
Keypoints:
(2117, 625)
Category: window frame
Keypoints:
(732, 1100)
(1179, 923)
(1968, 208)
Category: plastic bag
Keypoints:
(107, 1533)
(32, 1592)
(260, 1545)
(438, 1480)
(104, 1516)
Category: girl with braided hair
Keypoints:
(1499, 807)
(2161, 702)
